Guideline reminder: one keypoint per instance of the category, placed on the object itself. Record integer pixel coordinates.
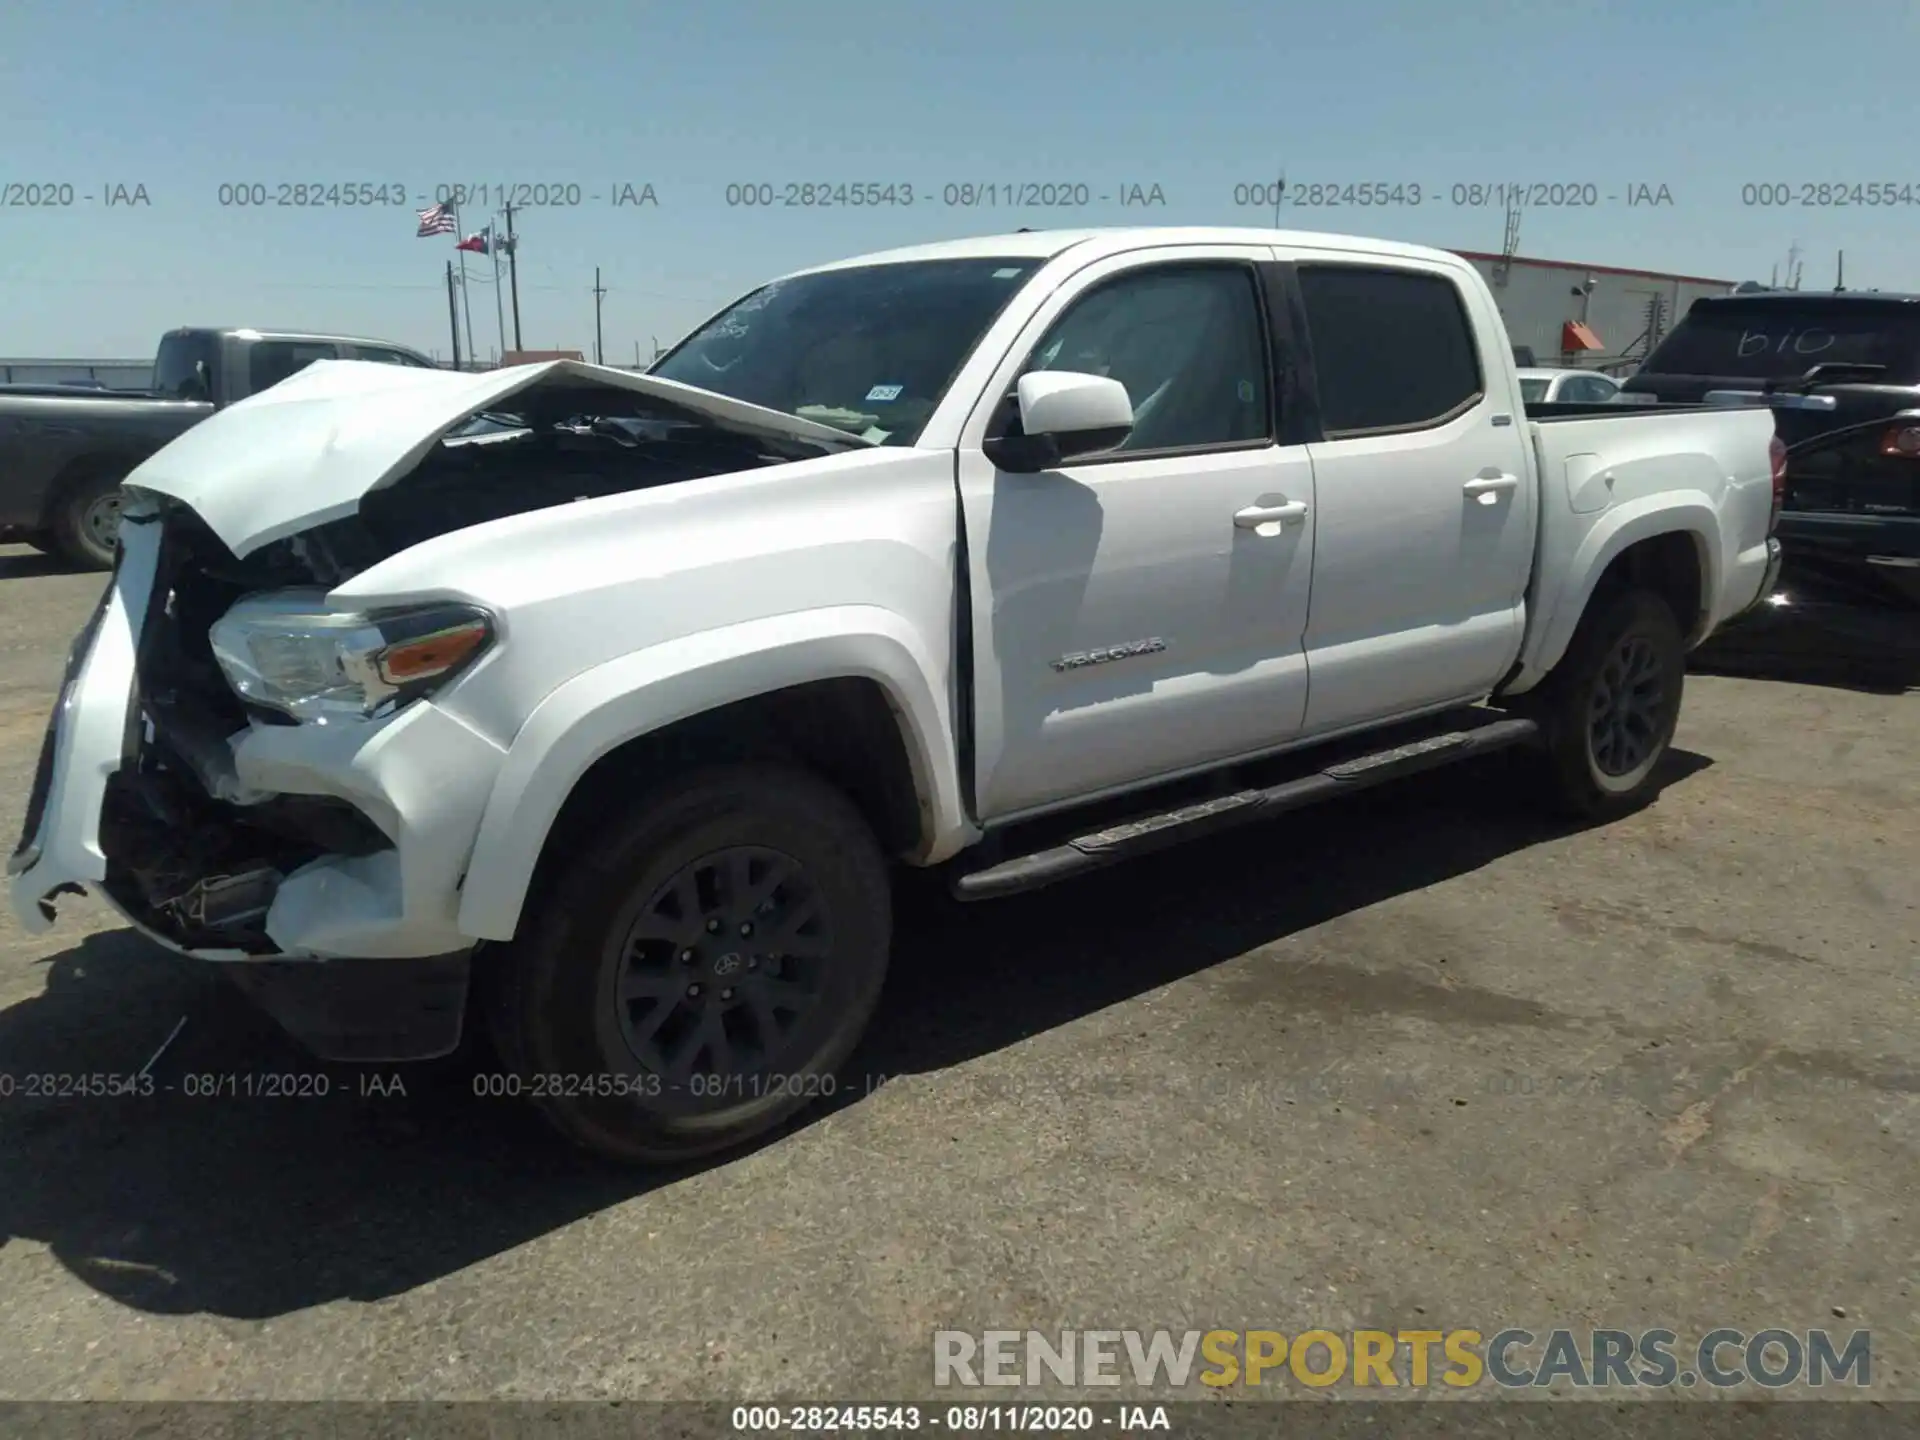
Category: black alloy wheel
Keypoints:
(722, 964)
(698, 968)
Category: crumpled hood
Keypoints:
(303, 453)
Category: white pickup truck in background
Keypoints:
(1016, 556)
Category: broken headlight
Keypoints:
(287, 651)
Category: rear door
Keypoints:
(1425, 503)
(1133, 616)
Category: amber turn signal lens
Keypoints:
(431, 655)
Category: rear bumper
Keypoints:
(1758, 568)
(1769, 580)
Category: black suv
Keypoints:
(1842, 372)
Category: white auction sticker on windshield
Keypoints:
(1006, 274)
(885, 392)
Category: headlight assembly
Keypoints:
(286, 650)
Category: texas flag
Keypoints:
(478, 243)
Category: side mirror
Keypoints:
(1064, 416)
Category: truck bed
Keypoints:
(1547, 411)
(1602, 464)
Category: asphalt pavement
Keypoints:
(1421, 1058)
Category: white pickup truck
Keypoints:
(1015, 556)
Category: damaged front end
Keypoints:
(141, 796)
(137, 793)
(193, 854)
(237, 763)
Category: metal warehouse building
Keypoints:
(1594, 316)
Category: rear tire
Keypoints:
(86, 522)
(1609, 709)
(699, 970)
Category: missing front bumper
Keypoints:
(364, 1011)
(228, 839)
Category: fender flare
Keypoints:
(1690, 513)
(599, 710)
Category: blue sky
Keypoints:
(1194, 97)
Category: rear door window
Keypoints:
(271, 361)
(383, 355)
(1392, 349)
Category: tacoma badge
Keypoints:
(1111, 652)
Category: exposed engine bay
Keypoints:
(191, 851)
(560, 443)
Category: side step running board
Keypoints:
(1156, 832)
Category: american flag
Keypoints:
(439, 220)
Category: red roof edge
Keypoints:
(1597, 269)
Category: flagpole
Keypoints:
(466, 305)
(499, 314)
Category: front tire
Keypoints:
(700, 970)
(1609, 709)
(86, 522)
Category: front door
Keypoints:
(1141, 612)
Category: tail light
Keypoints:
(1777, 452)
(1902, 442)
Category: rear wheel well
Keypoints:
(843, 730)
(1669, 566)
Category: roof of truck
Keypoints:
(1045, 244)
(265, 332)
(1743, 298)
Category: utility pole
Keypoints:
(1279, 189)
(453, 316)
(1840, 273)
(599, 350)
(513, 275)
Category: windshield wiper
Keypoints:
(1834, 372)
(854, 422)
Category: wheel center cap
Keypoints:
(728, 963)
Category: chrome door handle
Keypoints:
(1254, 516)
(1491, 484)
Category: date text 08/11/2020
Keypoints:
(1473, 195)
